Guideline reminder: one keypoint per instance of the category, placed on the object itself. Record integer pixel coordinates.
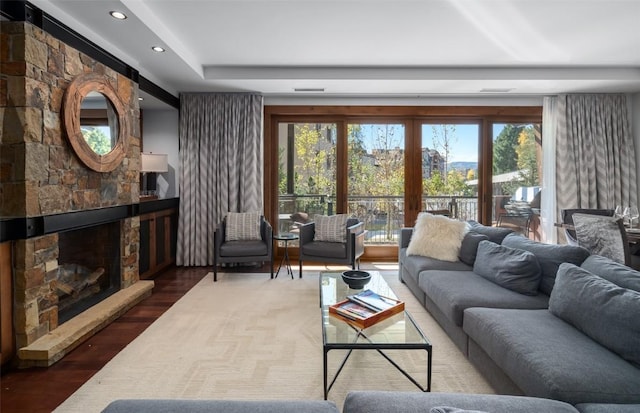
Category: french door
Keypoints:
(382, 165)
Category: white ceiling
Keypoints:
(370, 48)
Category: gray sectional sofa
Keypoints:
(574, 338)
(371, 402)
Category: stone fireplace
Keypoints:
(76, 231)
(88, 268)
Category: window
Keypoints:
(386, 164)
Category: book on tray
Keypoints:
(366, 308)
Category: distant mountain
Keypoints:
(463, 166)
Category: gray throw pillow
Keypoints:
(495, 234)
(332, 228)
(600, 309)
(243, 226)
(469, 247)
(549, 256)
(510, 268)
(615, 272)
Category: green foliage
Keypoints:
(528, 157)
(282, 171)
(443, 136)
(525, 158)
(504, 150)
(380, 172)
(97, 140)
(455, 185)
(316, 159)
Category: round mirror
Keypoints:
(98, 123)
(95, 122)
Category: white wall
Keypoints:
(160, 135)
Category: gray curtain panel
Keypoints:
(221, 152)
(595, 162)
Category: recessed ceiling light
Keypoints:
(157, 49)
(118, 15)
(140, 98)
(309, 89)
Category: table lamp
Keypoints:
(150, 165)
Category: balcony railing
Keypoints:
(383, 215)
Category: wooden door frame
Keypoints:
(412, 117)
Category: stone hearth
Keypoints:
(53, 346)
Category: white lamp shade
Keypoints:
(154, 162)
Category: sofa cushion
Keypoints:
(607, 408)
(220, 406)
(416, 402)
(242, 226)
(415, 264)
(547, 357)
(607, 313)
(615, 272)
(511, 268)
(495, 234)
(455, 291)
(549, 256)
(469, 247)
(437, 236)
(332, 228)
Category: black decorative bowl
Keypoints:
(356, 279)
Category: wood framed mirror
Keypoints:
(96, 122)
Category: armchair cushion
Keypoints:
(243, 226)
(249, 248)
(331, 228)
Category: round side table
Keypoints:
(286, 238)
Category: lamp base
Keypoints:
(149, 187)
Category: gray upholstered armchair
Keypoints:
(347, 252)
(603, 235)
(567, 218)
(242, 251)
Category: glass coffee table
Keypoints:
(398, 332)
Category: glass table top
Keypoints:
(397, 331)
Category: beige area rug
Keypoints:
(250, 337)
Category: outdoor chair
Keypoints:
(444, 211)
(567, 219)
(603, 235)
(347, 250)
(517, 216)
(233, 245)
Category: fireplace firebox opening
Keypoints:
(88, 268)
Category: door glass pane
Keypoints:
(376, 179)
(517, 177)
(306, 172)
(450, 169)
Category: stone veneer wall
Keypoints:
(41, 175)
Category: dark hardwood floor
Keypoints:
(36, 390)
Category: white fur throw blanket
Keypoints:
(437, 236)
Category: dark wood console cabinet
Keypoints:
(158, 236)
